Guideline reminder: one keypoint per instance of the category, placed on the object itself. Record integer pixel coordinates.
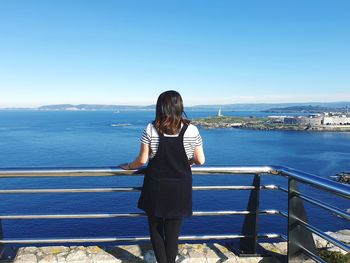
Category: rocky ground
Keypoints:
(188, 253)
(342, 178)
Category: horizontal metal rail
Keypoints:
(283, 189)
(339, 189)
(128, 189)
(293, 175)
(76, 216)
(316, 181)
(284, 214)
(112, 171)
(131, 239)
(320, 233)
(312, 255)
(328, 207)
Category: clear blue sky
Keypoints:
(127, 52)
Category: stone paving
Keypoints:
(188, 253)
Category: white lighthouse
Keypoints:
(219, 114)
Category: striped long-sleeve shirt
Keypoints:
(192, 139)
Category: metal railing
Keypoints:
(300, 240)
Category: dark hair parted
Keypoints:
(169, 113)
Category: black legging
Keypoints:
(164, 237)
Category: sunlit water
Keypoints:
(63, 139)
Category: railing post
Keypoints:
(298, 236)
(249, 245)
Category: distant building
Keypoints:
(336, 120)
(327, 118)
(292, 120)
(312, 120)
(276, 119)
(72, 108)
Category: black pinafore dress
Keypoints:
(167, 185)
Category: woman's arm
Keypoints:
(141, 159)
(198, 155)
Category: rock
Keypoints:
(77, 256)
(195, 254)
(149, 257)
(54, 249)
(282, 247)
(211, 255)
(196, 251)
(32, 250)
(279, 248)
(222, 250)
(320, 242)
(133, 251)
(93, 250)
(48, 259)
(61, 260)
(26, 258)
(103, 257)
(130, 253)
(183, 250)
(213, 260)
(343, 178)
(187, 253)
(231, 260)
(63, 254)
(61, 257)
(80, 248)
(183, 260)
(196, 260)
(341, 235)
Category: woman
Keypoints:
(171, 145)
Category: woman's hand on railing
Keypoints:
(124, 166)
(141, 159)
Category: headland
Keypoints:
(327, 122)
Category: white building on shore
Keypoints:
(336, 120)
(318, 119)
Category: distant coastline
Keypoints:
(84, 107)
(310, 107)
(262, 123)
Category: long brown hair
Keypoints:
(169, 113)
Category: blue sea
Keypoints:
(88, 138)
